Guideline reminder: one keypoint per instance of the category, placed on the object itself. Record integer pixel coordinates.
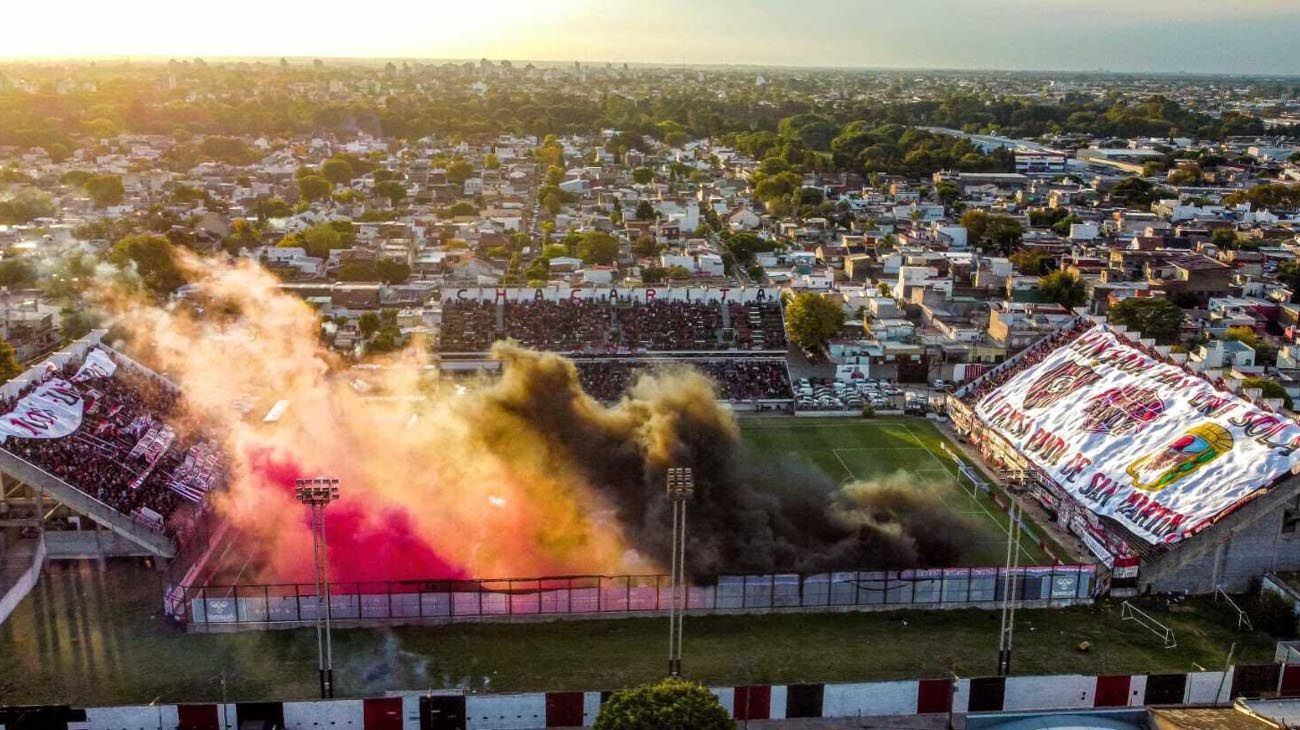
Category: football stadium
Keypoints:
(520, 478)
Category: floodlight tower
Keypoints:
(317, 493)
(681, 486)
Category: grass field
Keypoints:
(91, 636)
(856, 449)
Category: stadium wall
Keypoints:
(253, 607)
(536, 710)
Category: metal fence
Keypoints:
(587, 596)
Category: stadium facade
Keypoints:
(1172, 480)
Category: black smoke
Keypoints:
(749, 513)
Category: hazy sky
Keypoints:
(1216, 36)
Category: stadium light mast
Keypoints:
(1009, 588)
(681, 486)
(317, 494)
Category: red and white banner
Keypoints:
(56, 407)
(1140, 440)
(51, 411)
(96, 365)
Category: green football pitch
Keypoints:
(853, 449)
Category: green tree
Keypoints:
(645, 211)
(670, 704)
(10, 368)
(16, 272)
(1269, 388)
(1031, 263)
(459, 171)
(105, 190)
(1154, 317)
(1064, 288)
(154, 260)
(27, 205)
(812, 320)
(642, 175)
(596, 247)
(314, 187)
(337, 171)
(392, 190)
(1225, 238)
(369, 324)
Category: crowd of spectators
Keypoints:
(569, 325)
(586, 326)
(101, 459)
(666, 326)
(737, 379)
(1033, 355)
(468, 326)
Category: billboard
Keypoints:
(1132, 437)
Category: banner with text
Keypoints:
(1137, 439)
(51, 411)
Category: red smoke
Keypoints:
(366, 542)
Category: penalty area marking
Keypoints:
(1004, 528)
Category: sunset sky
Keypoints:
(1235, 36)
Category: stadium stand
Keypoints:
(590, 326)
(737, 379)
(121, 450)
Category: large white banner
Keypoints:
(51, 411)
(1158, 449)
(96, 365)
(55, 408)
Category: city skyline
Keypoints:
(1156, 37)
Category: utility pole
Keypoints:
(317, 494)
(681, 486)
(1009, 585)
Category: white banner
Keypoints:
(1137, 439)
(52, 411)
(96, 365)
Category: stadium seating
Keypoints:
(124, 453)
(585, 326)
(737, 379)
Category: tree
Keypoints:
(1031, 263)
(1064, 288)
(314, 187)
(1224, 238)
(1265, 353)
(459, 171)
(10, 368)
(1268, 389)
(1134, 192)
(337, 171)
(1154, 317)
(392, 190)
(596, 247)
(645, 246)
(642, 175)
(645, 211)
(154, 260)
(812, 320)
(16, 272)
(105, 190)
(27, 205)
(670, 704)
(369, 324)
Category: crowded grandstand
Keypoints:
(101, 424)
(616, 336)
